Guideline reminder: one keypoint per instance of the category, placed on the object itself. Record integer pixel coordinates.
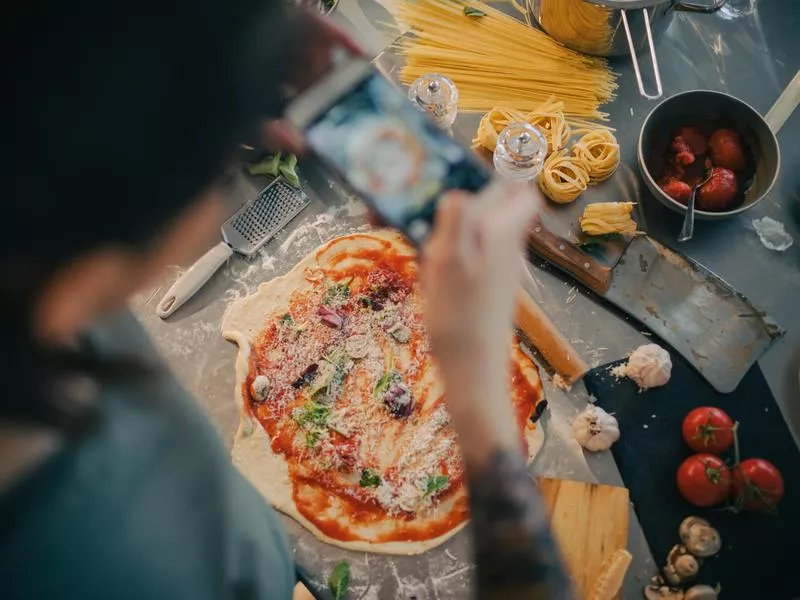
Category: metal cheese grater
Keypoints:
(254, 224)
(249, 228)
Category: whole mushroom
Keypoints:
(699, 537)
(701, 592)
(681, 566)
(663, 592)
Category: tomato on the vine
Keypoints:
(704, 480)
(708, 429)
(757, 485)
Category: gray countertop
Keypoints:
(753, 58)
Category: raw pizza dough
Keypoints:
(403, 516)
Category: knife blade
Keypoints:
(714, 327)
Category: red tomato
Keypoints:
(719, 192)
(677, 190)
(757, 485)
(708, 429)
(725, 147)
(694, 138)
(704, 480)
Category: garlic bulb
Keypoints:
(649, 366)
(595, 429)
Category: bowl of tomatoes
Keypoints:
(699, 135)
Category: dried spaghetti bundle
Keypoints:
(496, 60)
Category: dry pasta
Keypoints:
(496, 60)
(598, 153)
(492, 123)
(548, 117)
(580, 24)
(562, 178)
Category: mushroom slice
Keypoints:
(357, 345)
(401, 333)
(699, 537)
(702, 592)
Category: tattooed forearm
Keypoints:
(515, 553)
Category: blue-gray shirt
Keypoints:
(147, 506)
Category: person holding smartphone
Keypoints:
(112, 484)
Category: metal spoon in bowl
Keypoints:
(687, 231)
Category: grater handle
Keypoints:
(195, 277)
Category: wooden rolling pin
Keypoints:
(542, 333)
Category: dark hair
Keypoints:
(115, 119)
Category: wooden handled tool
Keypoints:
(785, 105)
(553, 346)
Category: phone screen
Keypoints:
(392, 154)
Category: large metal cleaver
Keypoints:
(713, 326)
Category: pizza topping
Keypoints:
(312, 437)
(337, 294)
(357, 345)
(435, 484)
(312, 414)
(368, 302)
(412, 492)
(313, 418)
(259, 389)
(306, 376)
(400, 333)
(390, 320)
(341, 422)
(314, 274)
(333, 368)
(330, 316)
(395, 394)
(289, 325)
(369, 478)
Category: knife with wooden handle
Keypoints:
(568, 257)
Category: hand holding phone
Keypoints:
(368, 135)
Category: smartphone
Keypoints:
(369, 137)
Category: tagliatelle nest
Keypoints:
(562, 179)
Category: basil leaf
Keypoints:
(313, 413)
(473, 12)
(383, 383)
(435, 484)
(269, 166)
(339, 580)
(312, 437)
(287, 319)
(369, 478)
(598, 240)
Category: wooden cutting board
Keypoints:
(589, 522)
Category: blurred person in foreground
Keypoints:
(112, 483)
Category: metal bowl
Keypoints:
(696, 107)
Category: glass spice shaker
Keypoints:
(436, 95)
(520, 151)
